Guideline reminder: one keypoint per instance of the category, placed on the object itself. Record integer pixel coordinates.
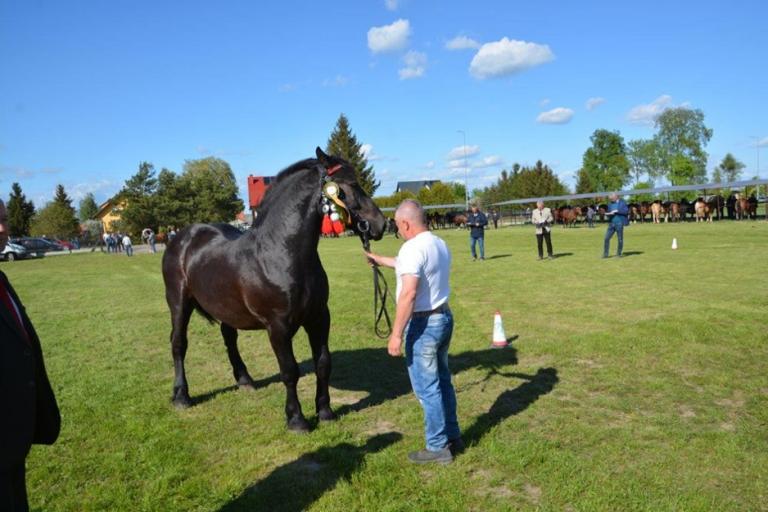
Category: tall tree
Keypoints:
(438, 193)
(644, 159)
(344, 144)
(730, 168)
(20, 212)
(138, 195)
(605, 164)
(88, 207)
(215, 196)
(680, 139)
(57, 219)
(174, 205)
(536, 181)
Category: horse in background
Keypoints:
(569, 215)
(269, 277)
(716, 204)
(657, 210)
(702, 212)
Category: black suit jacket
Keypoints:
(28, 410)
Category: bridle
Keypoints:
(330, 192)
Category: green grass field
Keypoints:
(632, 384)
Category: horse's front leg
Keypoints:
(281, 339)
(317, 329)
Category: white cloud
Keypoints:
(391, 5)
(462, 151)
(429, 165)
(26, 172)
(415, 65)
(462, 43)
(80, 190)
(559, 115)
(366, 150)
(762, 142)
(544, 102)
(488, 161)
(647, 114)
(456, 164)
(389, 38)
(592, 103)
(507, 57)
(337, 81)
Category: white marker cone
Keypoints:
(674, 244)
(499, 338)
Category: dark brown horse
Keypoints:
(269, 277)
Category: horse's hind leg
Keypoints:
(317, 330)
(239, 370)
(281, 340)
(181, 311)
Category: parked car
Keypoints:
(13, 252)
(37, 246)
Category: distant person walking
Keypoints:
(590, 216)
(542, 219)
(618, 217)
(476, 220)
(128, 245)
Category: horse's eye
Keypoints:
(341, 194)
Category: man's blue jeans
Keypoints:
(481, 241)
(426, 350)
(619, 230)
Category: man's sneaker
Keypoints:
(426, 456)
(456, 446)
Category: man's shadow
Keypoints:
(385, 378)
(298, 484)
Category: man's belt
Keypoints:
(442, 308)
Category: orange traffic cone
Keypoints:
(499, 338)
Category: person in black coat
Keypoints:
(476, 221)
(28, 410)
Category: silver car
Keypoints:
(13, 252)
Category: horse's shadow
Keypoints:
(298, 484)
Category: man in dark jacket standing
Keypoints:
(476, 220)
(28, 407)
(618, 211)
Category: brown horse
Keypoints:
(657, 210)
(269, 277)
(568, 215)
(701, 209)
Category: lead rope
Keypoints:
(379, 293)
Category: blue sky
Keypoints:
(90, 89)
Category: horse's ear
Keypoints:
(321, 156)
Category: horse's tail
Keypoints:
(203, 312)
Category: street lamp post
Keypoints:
(466, 171)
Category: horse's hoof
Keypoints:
(326, 415)
(247, 386)
(299, 425)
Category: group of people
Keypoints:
(542, 219)
(117, 243)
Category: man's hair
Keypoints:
(412, 211)
(613, 196)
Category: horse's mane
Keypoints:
(276, 191)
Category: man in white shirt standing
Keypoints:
(543, 220)
(423, 268)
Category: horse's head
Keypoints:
(365, 217)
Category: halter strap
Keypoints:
(333, 169)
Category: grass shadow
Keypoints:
(385, 378)
(257, 384)
(632, 253)
(512, 402)
(298, 484)
(562, 255)
(497, 256)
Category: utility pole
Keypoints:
(466, 171)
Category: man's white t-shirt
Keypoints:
(427, 257)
